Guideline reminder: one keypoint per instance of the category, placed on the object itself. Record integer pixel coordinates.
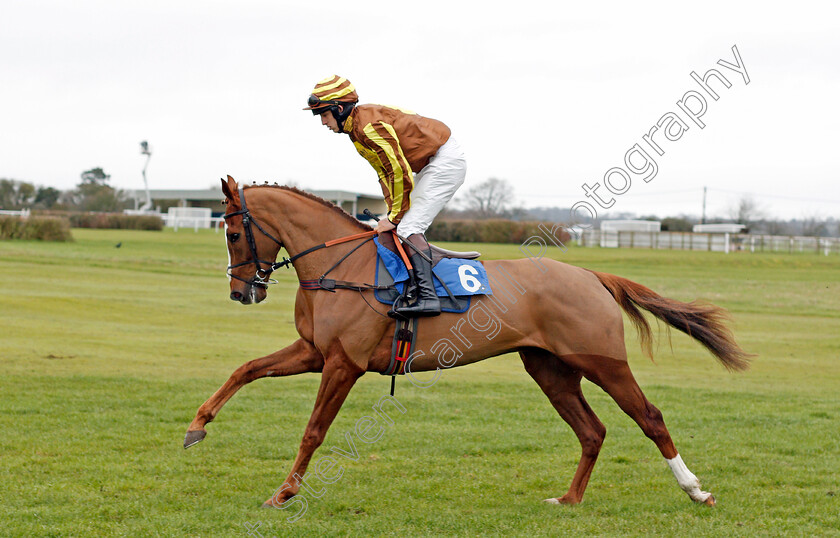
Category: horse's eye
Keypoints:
(233, 238)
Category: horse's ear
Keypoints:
(230, 189)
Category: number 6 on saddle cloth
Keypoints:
(464, 278)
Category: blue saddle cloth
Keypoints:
(464, 278)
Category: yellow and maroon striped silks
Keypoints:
(336, 88)
(381, 147)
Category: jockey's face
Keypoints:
(329, 120)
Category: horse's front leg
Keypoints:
(338, 377)
(298, 358)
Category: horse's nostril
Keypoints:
(235, 296)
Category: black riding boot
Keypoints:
(427, 303)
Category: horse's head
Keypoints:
(252, 248)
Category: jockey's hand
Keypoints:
(384, 225)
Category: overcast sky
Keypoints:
(548, 95)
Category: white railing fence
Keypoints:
(185, 217)
(23, 213)
(714, 242)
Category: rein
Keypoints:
(261, 275)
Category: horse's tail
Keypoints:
(702, 321)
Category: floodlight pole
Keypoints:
(144, 150)
(703, 218)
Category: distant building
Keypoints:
(612, 231)
(352, 202)
(718, 228)
(355, 203)
(630, 226)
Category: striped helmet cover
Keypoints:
(334, 88)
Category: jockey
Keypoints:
(419, 164)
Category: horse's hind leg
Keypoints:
(562, 386)
(297, 358)
(615, 377)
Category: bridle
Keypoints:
(261, 276)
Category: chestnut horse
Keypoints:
(564, 321)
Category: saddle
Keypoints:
(441, 253)
(392, 275)
(457, 278)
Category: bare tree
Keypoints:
(489, 199)
(746, 211)
(813, 226)
(776, 227)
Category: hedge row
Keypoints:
(115, 221)
(38, 228)
(491, 231)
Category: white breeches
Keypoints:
(434, 186)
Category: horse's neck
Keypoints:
(304, 223)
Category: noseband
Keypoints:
(261, 276)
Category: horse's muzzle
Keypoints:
(239, 296)
(248, 295)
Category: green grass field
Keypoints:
(107, 353)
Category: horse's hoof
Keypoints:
(565, 499)
(267, 504)
(193, 437)
(710, 501)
